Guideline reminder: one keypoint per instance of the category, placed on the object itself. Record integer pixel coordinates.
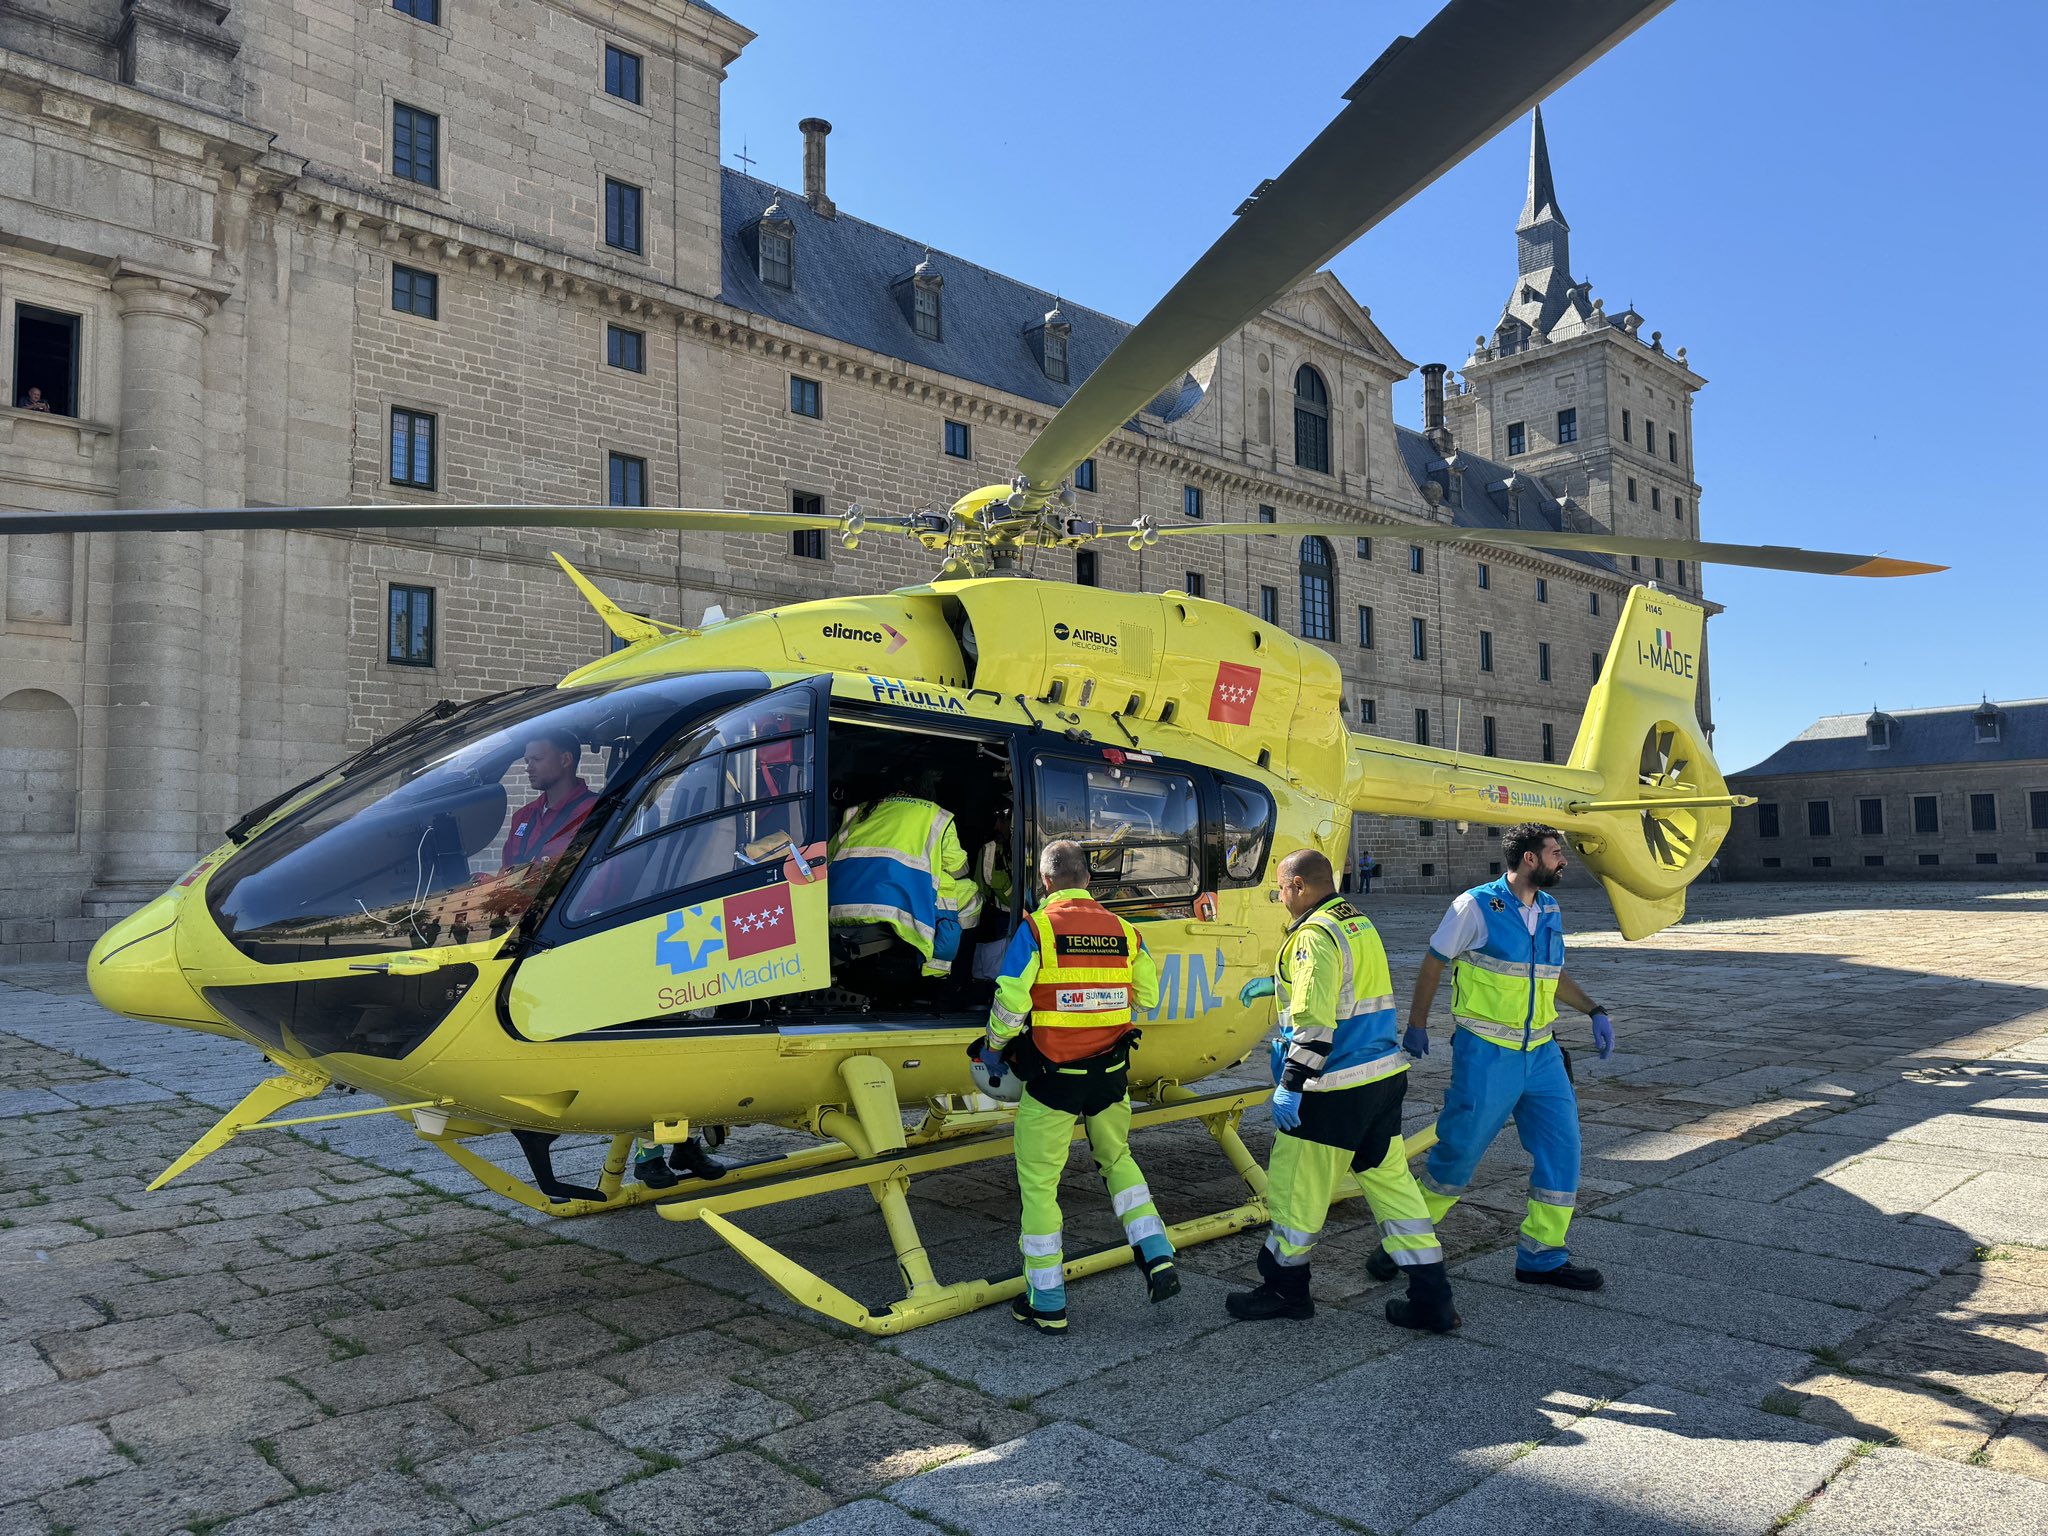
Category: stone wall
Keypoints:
(2016, 850)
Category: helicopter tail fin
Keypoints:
(1664, 807)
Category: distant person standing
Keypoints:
(1505, 941)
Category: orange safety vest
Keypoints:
(1081, 997)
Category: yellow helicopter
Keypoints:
(666, 961)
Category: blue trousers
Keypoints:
(1488, 1084)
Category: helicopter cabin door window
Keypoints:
(1311, 420)
(1247, 831)
(45, 360)
(1138, 826)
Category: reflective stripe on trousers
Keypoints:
(1043, 1138)
(1302, 1180)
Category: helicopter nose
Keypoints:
(134, 969)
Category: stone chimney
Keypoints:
(1433, 426)
(814, 130)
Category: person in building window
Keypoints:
(34, 401)
(899, 863)
(1070, 982)
(1339, 1081)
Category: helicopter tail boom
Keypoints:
(1641, 797)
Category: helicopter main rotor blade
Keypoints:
(1427, 102)
(1768, 557)
(423, 515)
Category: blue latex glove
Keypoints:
(1286, 1109)
(1415, 1041)
(1281, 1043)
(1253, 990)
(1603, 1034)
(992, 1059)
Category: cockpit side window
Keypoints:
(1247, 831)
(1139, 826)
(732, 794)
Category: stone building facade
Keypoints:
(254, 253)
(1957, 793)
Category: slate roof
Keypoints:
(1920, 738)
(846, 270)
(1484, 494)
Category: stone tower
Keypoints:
(1591, 403)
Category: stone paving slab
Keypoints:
(1901, 1493)
(1655, 1461)
(1065, 1478)
(1772, 1271)
(1927, 1249)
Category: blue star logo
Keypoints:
(690, 938)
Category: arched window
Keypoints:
(1318, 590)
(1311, 420)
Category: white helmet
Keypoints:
(1007, 1088)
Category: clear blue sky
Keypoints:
(1833, 206)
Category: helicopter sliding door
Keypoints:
(705, 890)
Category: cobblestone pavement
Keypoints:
(1817, 1179)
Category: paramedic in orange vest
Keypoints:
(1070, 982)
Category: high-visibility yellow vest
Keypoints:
(1505, 991)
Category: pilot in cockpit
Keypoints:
(543, 826)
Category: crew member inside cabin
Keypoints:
(899, 863)
(542, 827)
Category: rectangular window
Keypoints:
(1681, 573)
(1485, 576)
(1656, 498)
(1820, 819)
(414, 292)
(1659, 562)
(778, 259)
(1097, 805)
(1364, 628)
(1084, 568)
(1926, 814)
(428, 11)
(1269, 604)
(1518, 438)
(1084, 475)
(1678, 508)
(1672, 437)
(621, 215)
(1635, 563)
(1055, 354)
(1568, 425)
(807, 543)
(1631, 487)
(1625, 428)
(1983, 813)
(1368, 711)
(1426, 871)
(806, 397)
(1422, 726)
(410, 626)
(2037, 809)
(1267, 515)
(1774, 863)
(1191, 501)
(1593, 604)
(1418, 639)
(1823, 861)
(1543, 661)
(629, 481)
(1650, 437)
(1542, 590)
(1594, 665)
(1930, 858)
(625, 348)
(1486, 650)
(1193, 586)
(1870, 816)
(1767, 818)
(1873, 861)
(925, 319)
(1415, 559)
(415, 146)
(46, 359)
(959, 441)
(1987, 858)
(1365, 549)
(1489, 736)
(1425, 829)
(621, 73)
(412, 448)
(1549, 742)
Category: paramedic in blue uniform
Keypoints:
(1505, 944)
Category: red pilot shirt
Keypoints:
(539, 832)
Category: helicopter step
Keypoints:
(885, 1158)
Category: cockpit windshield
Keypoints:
(451, 838)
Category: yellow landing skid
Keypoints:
(612, 1180)
(885, 1160)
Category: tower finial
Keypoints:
(1542, 203)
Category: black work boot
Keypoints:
(1054, 1323)
(1566, 1276)
(1427, 1306)
(1282, 1292)
(1162, 1280)
(694, 1158)
(1380, 1264)
(651, 1168)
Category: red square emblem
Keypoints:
(759, 920)
(1237, 689)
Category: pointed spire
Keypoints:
(1542, 203)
